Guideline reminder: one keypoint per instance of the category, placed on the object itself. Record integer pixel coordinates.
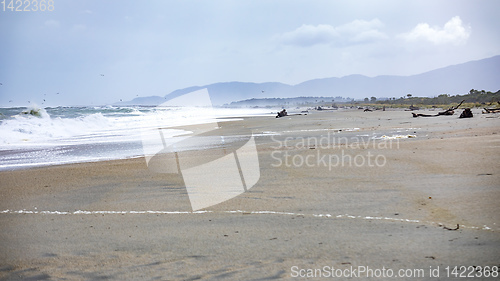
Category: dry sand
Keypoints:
(391, 216)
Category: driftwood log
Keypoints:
(449, 111)
(467, 113)
(491, 110)
(282, 113)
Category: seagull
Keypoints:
(102, 74)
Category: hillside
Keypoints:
(456, 79)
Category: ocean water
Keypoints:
(31, 137)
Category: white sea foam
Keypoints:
(393, 137)
(103, 123)
(30, 130)
(326, 129)
(82, 134)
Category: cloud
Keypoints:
(453, 32)
(356, 32)
(308, 35)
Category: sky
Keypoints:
(100, 52)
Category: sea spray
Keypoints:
(35, 111)
(57, 135)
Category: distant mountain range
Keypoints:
(456, 79)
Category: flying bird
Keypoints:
(102, 74)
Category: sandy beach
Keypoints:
(339, 189)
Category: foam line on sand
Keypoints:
(329, 216)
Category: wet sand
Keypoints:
(119, 220)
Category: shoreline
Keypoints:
(185, 127)
(96, 136)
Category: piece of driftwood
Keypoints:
(424, 115)
(282, 113)
(491, 110)
(449, 111)
(467, 113)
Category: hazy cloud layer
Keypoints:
(355, 32)
(362, 31)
